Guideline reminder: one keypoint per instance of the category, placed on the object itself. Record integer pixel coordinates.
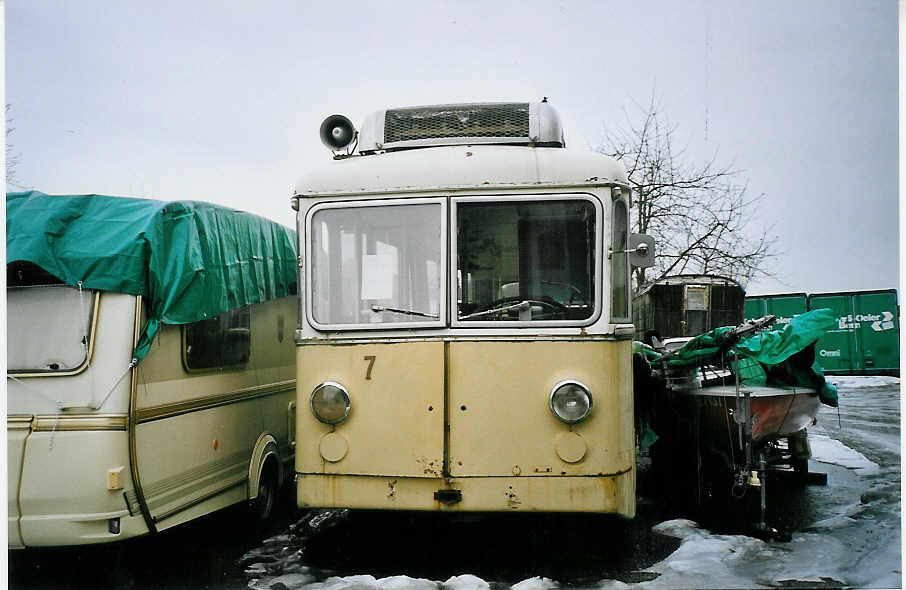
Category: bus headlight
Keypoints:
(570, 401)
(330, 402)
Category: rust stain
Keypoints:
(429, 467)
(511, 499)
(392, 494)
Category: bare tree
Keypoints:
(698, 214)
(12, 158)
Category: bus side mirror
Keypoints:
(641, 250)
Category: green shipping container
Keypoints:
(867, 338)
(785, 307)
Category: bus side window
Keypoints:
(221, 341)
(619, 264)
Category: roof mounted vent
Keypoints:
(520, 123)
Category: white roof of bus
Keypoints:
(461, 167)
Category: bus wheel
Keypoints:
(263, 504)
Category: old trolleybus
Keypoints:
(465, 333)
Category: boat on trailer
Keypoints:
(733, 403)
(776, 411)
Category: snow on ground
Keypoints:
(862, 381)
(466, 582)
(366, 582)
(536, 583)
(816, 555)
(703, 559)
(857, 543)
(706, 560)
(829, 450)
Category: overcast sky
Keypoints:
(221, 101)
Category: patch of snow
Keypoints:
(536, 583)
(288, 581)
(679, 528)
(306, 581)
(862, 381)
(407, 583)
(834, 522)
(282, 539)
(830, 450)
(882, 566)
(346, 583)
(885, 568)
(466, 582)
(806, 558)
(613, 585)
(706, 560)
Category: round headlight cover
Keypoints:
(330, 402)
(570, 401)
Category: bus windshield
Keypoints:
(525, 260)
(374, 266)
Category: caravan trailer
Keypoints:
(150, 365)
(465, 333)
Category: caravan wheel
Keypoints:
(263, 504)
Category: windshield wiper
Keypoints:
(380, 308)
(521, 306)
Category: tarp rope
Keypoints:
(59, 403)
(129, 367)
(56, 402)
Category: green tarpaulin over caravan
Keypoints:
(191, 260)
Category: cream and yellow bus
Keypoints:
(465, 333)
(150, 364)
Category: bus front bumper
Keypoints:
(609, 494)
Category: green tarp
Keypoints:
(783, 356)
(191, 260)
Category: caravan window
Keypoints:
(221, 341)
(48, 327)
